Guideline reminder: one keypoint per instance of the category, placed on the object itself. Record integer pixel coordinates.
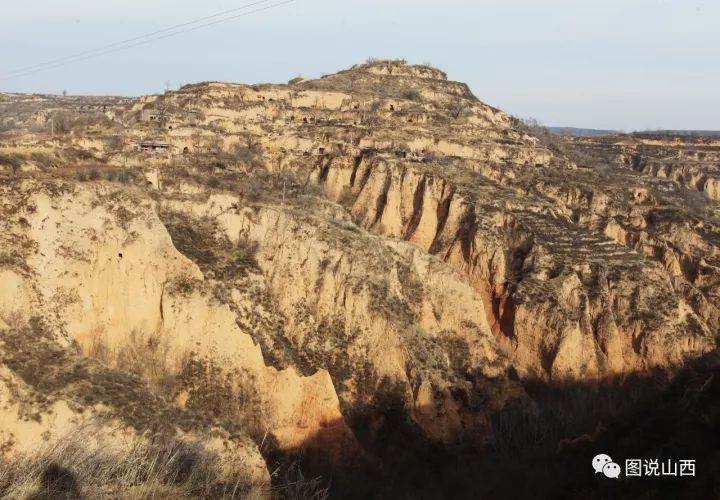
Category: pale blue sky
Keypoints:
(630, 64)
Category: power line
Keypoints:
(43, 67)
(21, 70)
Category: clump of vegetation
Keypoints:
(375, 60)
(246, 155)
(293, 485)
(535, 128)
(121, 176)
(66, 122)
(536, 425)
(80, 465)
(347, 198)
(112, 175)
(163, 468)
(411, 95)
(145, 356)
(115, 143)
(13, 162)
(74, 155)
(8, 126)
(43, 161)
(412, 287)
(225, 395)
(202, 242)
(88, 175)
(249, 153)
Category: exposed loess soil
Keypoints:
(374, 273)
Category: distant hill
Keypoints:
(581, 131)
(702, 133)
(588, 132)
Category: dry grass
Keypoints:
(83, 466)
(161, 465)
(295, 486)
(226, 395)
(80, 467)
(149, 357)
(536, 425)
(202, 242)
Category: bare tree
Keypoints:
(115, 143)
(164, 113)
(249, 152)
(216, 144)
(327, 115)
(457, 107)
(196, 141)
(62, 122)
(353, 76)
(15, 164)
(251, 142)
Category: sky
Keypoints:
(609, 64)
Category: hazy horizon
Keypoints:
(601, 65)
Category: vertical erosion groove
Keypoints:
(418, 200)
(443, 211)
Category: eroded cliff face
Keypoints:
(334, 260)
(691, 162)
(663, 217)
(563, 302)
(97, 265)
(68, 410)
(331, 313)
(570, 278)
(371, 311)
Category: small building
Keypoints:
(152, 115)
(155, 146)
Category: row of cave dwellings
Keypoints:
(391, 107)
(347, 120)
(357, 119)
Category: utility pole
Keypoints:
(52, 127)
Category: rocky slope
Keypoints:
(23, 112)
(102, 269)
(430, 168)
(367, 266)
(667, 219)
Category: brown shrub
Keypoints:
(215, 254)
(156, 468)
